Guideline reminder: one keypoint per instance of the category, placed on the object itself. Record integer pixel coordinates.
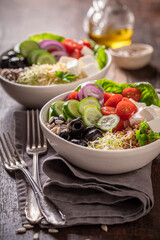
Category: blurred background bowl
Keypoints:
(36, 96)
(132, 57)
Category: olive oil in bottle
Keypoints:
(110, 23)
(114, 38)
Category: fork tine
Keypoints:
(13, 145)
(2, 157)
(28, 129)
(9, 148)
(33, 130)
(4, 149)
(38, 128)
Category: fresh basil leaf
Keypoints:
(149, 95)
(101, 57)
(67, 77)
(110, 86)
(49, 36)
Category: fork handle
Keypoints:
(49, 211)
(32, 211)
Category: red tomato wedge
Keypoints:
(108, 110)
(107, 95)
(119, 127)
(125, 109)
(73, 95)
(113, 100)
(126, 99)
(85, 43)
(76, 53)
(133, 93)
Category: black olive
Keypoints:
(11, 54)
(76, 127)
(64, 134)
(88, 129)
(81, 142)
(4, 62)
(93, 135)
(14, 62)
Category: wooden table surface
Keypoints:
(18, 19)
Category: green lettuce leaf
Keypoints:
(110, 86)
(42, 36)
(149, 95)
(101, 57)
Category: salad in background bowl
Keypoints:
(105, 127)
(46, 65)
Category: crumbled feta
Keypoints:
(73, 67)
(65, 59)
(155, 124)
(148, 113)
(86, 51)
(136, 118)
(90, 69)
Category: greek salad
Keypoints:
(46, 59)
(107, 115)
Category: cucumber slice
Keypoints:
(90, 115)
(32, 56)
(65, 116)
(88, 101)
(108, 122)
(56, 109)
(27, 46)
(46, 58)
(71, 109)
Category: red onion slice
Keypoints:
(80, 95)
(92, 91)
(48, 45)
(58, 54)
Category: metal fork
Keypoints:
(12, 161)
(34, 148)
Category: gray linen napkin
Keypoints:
(86, 198)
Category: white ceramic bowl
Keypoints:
(37, 96)
(135, 61)
(98, 161)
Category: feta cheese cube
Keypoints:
(86, 51)
(157, 109)
(138, 104)
(90, 69)
(73, 67)
(65, 59)
(87, 60)
(148, 113)
(136, 118)
(155, 124)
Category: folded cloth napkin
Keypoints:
(84, 197)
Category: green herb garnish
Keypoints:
(65, 76)
(143, 137)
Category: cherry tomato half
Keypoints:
(133, 93)
(108, 110)
(85, 43)
(76, 53)
(113, 100)
(73, 95)
(125, 109)
(107, 95)
(119, 127)
(71, 45)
